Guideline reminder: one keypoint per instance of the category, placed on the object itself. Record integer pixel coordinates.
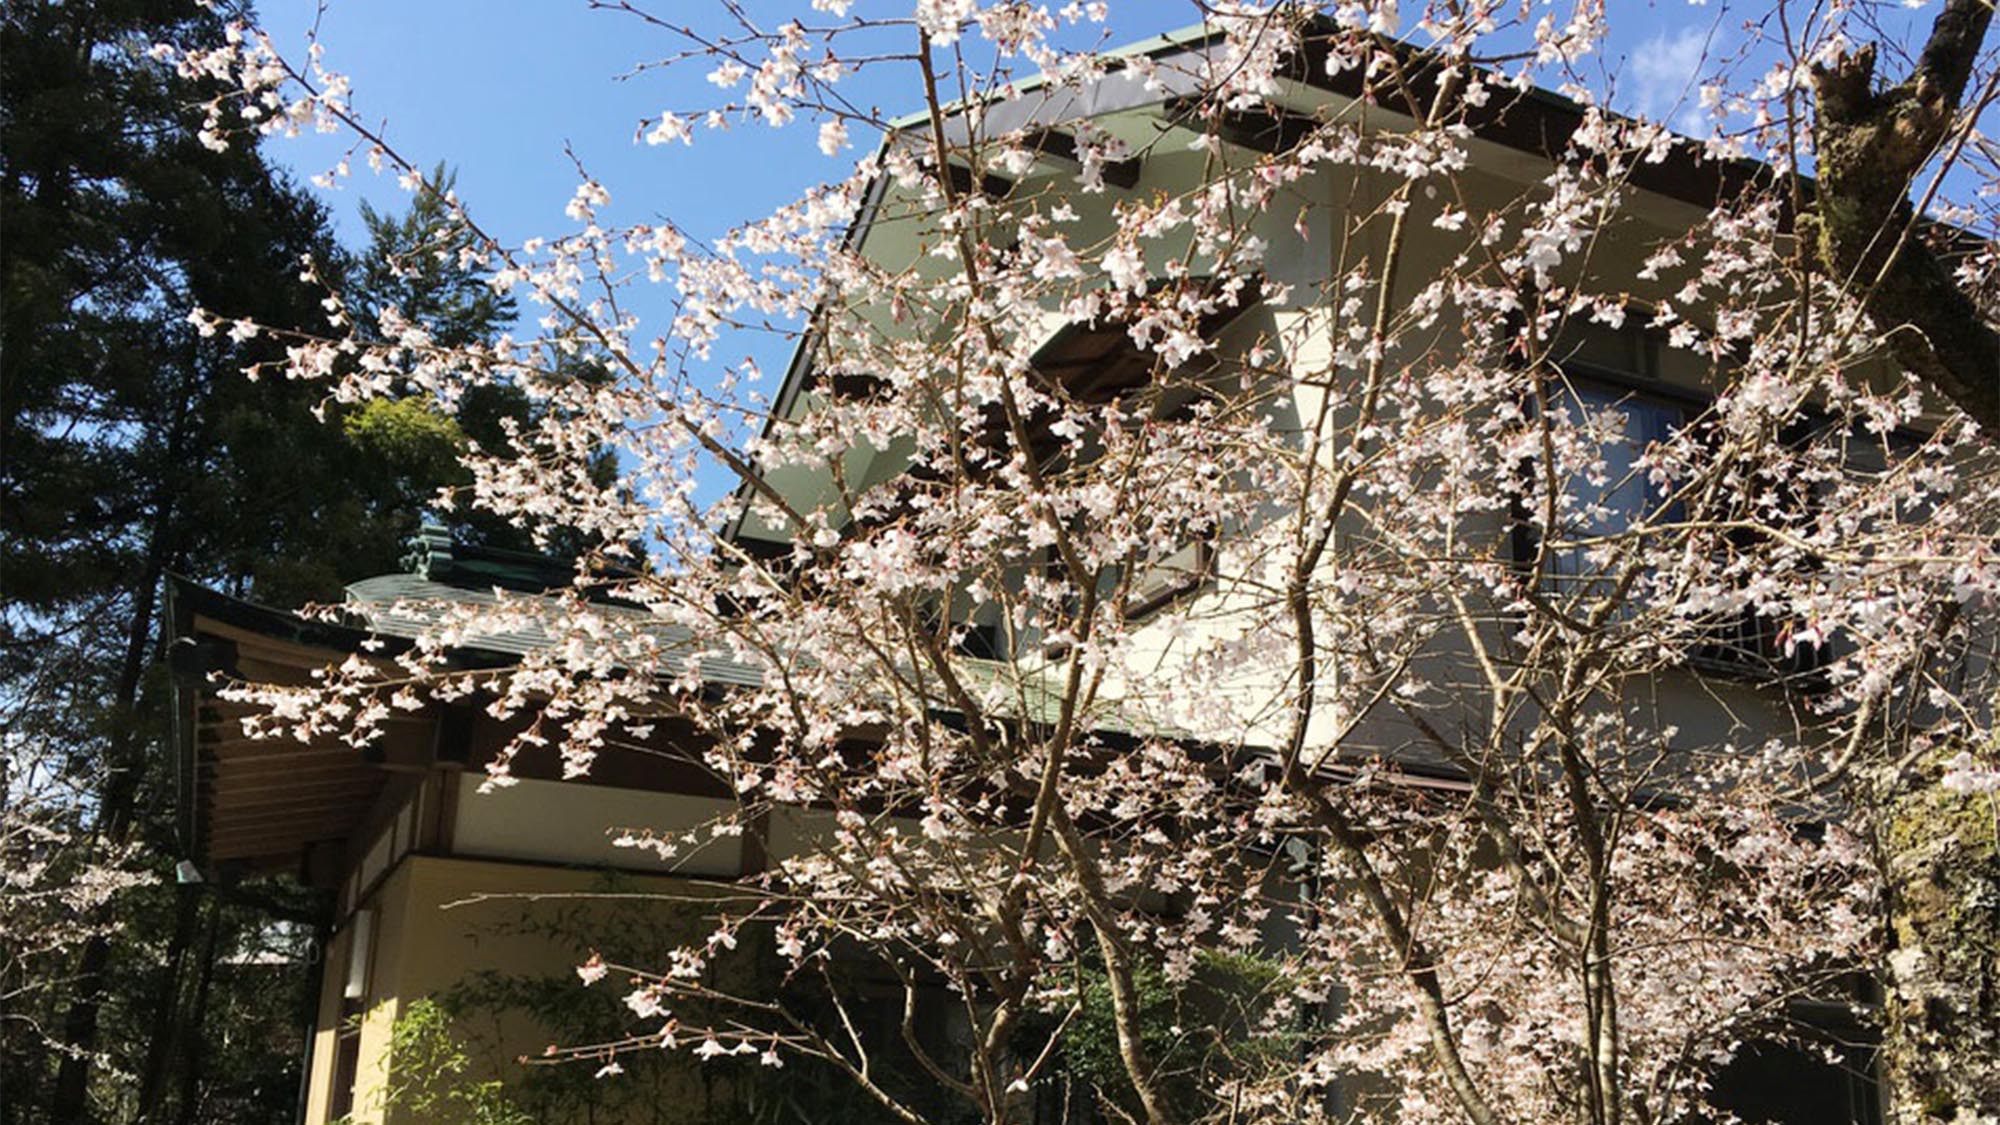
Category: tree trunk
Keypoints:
(1941, 1048)
(153, 1080)
(1872, 146)
(117, 804)
(196, 1051)
(1941, 1039)
(125, 768)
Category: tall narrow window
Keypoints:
(353, 1003)
(1098, 363)
(1604, 504)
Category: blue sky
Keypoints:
(504, 90)
(498, 88)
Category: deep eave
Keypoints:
(263, 803)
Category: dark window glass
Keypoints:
(1604, 505)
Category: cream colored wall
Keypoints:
(319, 1077)
(1251, 705)
(437, 921)
(558, 822)
(1499, 179)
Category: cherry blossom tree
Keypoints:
(1245, 568)
(53, 892)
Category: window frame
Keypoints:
(1579, 379)
(1749, 649)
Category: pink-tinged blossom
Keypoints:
(1320, 608)
(832, 137)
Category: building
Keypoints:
(433, 883)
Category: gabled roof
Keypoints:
(1534, 123)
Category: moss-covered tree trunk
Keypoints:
(1872, 144)
(1941, 980)
(1941, 1050)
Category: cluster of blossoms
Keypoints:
(1516, 743)
(258, 92)
(56, 875)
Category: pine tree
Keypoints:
(132, 447)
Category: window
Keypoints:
(1758, 646)
(353, 1004)
(1097, 363)
(1155, 584)
(966, 637)
(1178, 573)
(1626, 496)
(1616, 377)
(895, 501)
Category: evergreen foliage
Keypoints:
(132, 447)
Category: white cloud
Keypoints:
(1663, 75)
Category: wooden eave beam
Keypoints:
(1267, 130)
(303, 809)
(232, 751)
(275, 847)
(286, 765)
(317, 777)
(992, 185)
(258, 791)
(246, 751)
(1055, 144)
(300, 821)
